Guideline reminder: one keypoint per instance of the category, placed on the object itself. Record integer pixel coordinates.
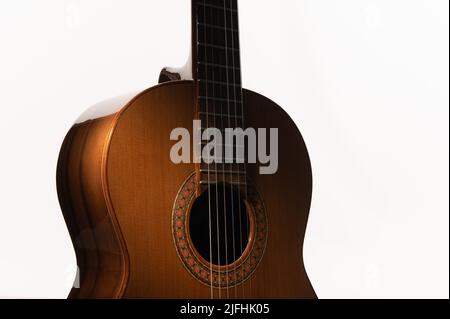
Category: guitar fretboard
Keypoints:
(218, 76)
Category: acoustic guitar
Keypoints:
(150, 217)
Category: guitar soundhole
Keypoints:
(219, 225)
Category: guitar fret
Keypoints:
(215, 65)
(222, 130)
(220, 99)
(218, 55)
(238, 85)
(212, 6)
(203, 143)
(215, 46)
(208, 114)
(218, 27)
(230, 111)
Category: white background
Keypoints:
(365, 80)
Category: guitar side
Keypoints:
(102, 259)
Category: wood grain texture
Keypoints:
(117, 187)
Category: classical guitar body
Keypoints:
(144, 226)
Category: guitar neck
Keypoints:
(217, 73)
(216, 58)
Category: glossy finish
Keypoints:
(117, 188)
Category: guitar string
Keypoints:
(240, 100)
(221, 160)
(215, 163)
(209, 172)
(231, 165)
(237, 166)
